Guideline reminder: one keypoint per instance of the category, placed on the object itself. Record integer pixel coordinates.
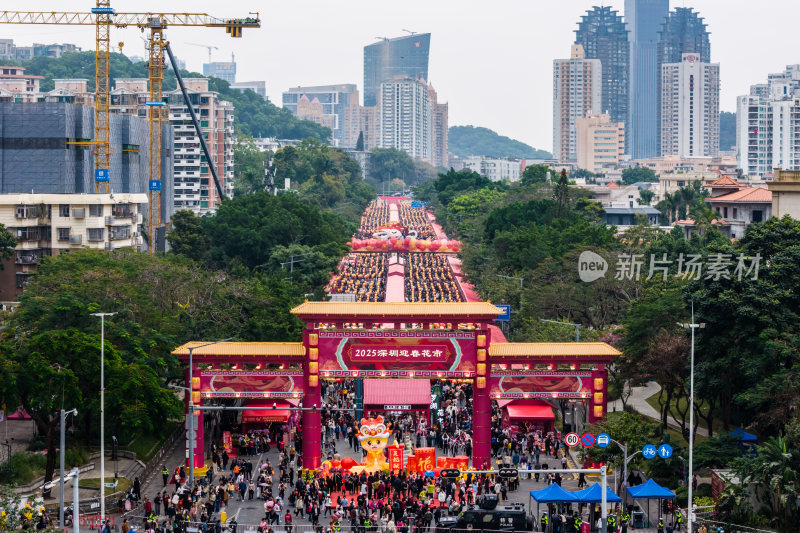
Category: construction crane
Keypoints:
(205, 46)
(103, 16)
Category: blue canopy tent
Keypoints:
(552, 494)
(743, 436)
(650, 490)
(594, 494)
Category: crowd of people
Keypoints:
(415, 219)
(362, 274)
(429, 278)
(375, 215)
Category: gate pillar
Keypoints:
(312, 403)
(481, 424)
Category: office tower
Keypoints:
(768, 125)
(336, 108)
(388, 58)
(405, 117)
(690, 107)
(224, 70)
(577, 90)
(439, 129)
(683, 32)
(604, 36)
(601, 143)
(644, 19)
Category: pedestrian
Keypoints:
(164, 474)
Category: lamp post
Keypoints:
(689, 507)
(190, 414)
(102, 412)
(63, 450)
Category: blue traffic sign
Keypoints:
(649, 451)
(416, 204)
(506, 316)
(587, 439)
(603, 440)
(155, 185)
(665, 451)
(101, 174)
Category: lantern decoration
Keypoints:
(313, 339)
(195, 396)
(598, 397)
(480, 382)
(598, 411)
(313, 354)
(313, 381)
(481, 341)
(195, 383)
(313, 367)
(598, 383)
(481, 353)
(481, 369)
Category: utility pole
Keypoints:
(577, 327)
(63, 450)
(102, 412)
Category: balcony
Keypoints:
(110, 221)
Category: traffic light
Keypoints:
(449, 473)
(507, 472)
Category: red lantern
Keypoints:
(348, 463)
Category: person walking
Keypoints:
(164, 474)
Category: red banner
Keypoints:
(400, 352)
(219, 385)
(227, 441)
(507, 386)
(395, 458)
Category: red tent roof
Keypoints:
(397, 392)
(250, 416)
(537, 411)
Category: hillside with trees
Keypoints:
(253, 115)
(465, 141)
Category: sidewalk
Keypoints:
(638, 401)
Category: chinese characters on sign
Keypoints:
(372, 352)
(689, 266)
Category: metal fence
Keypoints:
(712, 525)
(155, 462)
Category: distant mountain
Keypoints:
(465, 141)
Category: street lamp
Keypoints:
(689, 507)
(62, 421)
(512, 277)
(102, 412)
(190, 415)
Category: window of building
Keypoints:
(95, 234)
(63, 234)
(119, 232)
(735, 212)
(758, 215)
(95, 210)
(63, 210)
(724, 212)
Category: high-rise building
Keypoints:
(440, 129)
(683, 32)
(338, 109)
(577, 91)
(768, 125)
(644, 19)
(8, 50)
(604, 36)
(368, 126)
(405, 117)
(388, 58)
(601, 143)
(224, 70)
(690, 107)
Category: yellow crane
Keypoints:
(103, 16)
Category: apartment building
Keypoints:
(334, 106)
(439, 129)
(690, 107)
(577, 91)
(50, 224)
(601, 143)
(494, 168)
(14, 80)
(405, 117)
(194, 187)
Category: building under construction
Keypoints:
(45, 147)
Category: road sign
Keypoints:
(155, 185)
(587, 439)
(649, 451)
(603, 440)
(449, 473)
(508, 472)
(101, 174)
(506, 316)
(571, 439)
(665, 451)
(416, 204)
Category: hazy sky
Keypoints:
(491, 60)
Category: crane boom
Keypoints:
(122, 20)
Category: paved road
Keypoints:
(638, 400)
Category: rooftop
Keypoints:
(259, 349)
(646, 209)
(726, 182)
(752, 195)
(385, 310)
(552, 349)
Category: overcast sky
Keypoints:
(491, 60)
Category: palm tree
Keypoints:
(704, 217)
(776, 474)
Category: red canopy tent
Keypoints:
(535, 412)
(259, 416)
(387, 395)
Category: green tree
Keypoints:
(535, 174)
(646, 196)
(465, 141)
(186, 235)
(360, 142)
(561, 194)
(635, 174)
(387, 164)
(249, 166)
